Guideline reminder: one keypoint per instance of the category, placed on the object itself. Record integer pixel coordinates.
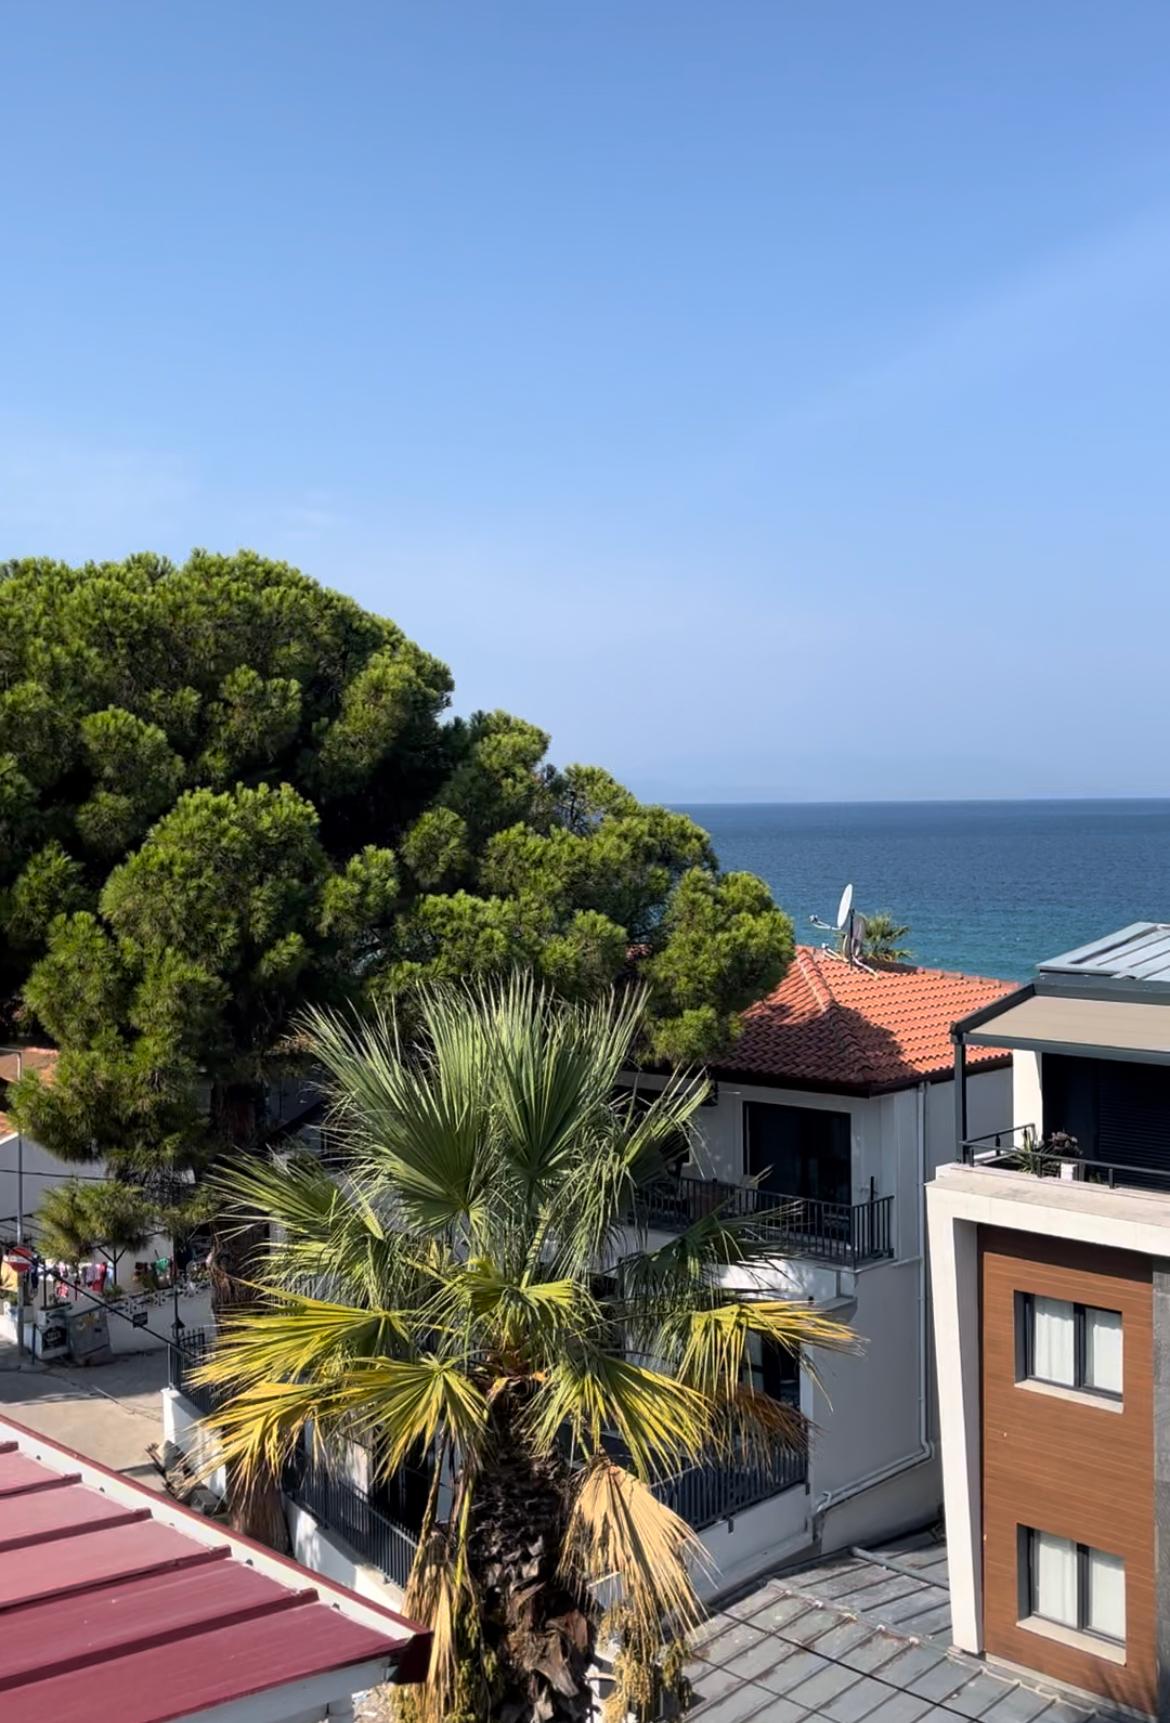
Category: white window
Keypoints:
(1103, 1350)
(1105, 1605)
(1053, 1352)
(1073, 1586)
(1054, 1579)
(1070, 1345)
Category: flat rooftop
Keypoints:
(863, 1637)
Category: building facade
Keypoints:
(833, 1112)
(1050, 1257)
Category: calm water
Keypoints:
(989, 887)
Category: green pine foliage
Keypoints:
(227, 793)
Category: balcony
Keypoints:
(844, 1234)
(1022, 1149)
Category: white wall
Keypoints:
(865, 1409)
(762, 1537)
(41, 1172)
(1027, 1092)
(182, 1426)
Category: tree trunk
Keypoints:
(538, 1630)
(256, 1508)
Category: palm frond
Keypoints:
(660, 1422)
(436, 1599)
(525, 1316)
(423, 1123)
(301, 1339)
(714, 1340)
(619, 1529)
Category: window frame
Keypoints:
(1032, 1613)
(1026, 1348)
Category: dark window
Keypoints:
(801, 1151)
(773, 1370)
(1117, 1109)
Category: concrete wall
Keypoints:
(759, 1538)
(1027, 1092)
(182, 1426)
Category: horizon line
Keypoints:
(902, 801)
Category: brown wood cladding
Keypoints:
(1078, 1471)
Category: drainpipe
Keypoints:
(925, 1450)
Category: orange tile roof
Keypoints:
(830, 1025)
(11, 1065)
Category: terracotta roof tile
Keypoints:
(832, 1025)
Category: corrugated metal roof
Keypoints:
(1140, 952)
(864, 1636)
(115, 1602)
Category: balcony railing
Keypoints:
(704, 1495)
(343, 1506)
(1020, 1149)
(844, 1233)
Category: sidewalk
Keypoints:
(109, 1413)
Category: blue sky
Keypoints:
(769, 399)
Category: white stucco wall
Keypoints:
(1027, 1092)
(762, 1537)
(41, 1172)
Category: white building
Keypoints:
(839, 1099)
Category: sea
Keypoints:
(990, 888)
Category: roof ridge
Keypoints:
(822, 993)
(841, 1019)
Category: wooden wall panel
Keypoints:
(1079, 1471)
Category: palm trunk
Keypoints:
(256, 1507)
(537, 1629)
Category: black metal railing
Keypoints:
(846, 1233)
(1019, 1148)
(192, 1348)
(704, 1495)
(342, 1506)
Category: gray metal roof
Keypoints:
(1140, 952)
(860, 1638)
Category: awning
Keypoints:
(1104, 1028)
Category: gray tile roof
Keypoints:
(859, 1638)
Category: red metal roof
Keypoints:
(833, 1025)
(116, 1603)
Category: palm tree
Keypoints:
(475, 1289)
(883, 937)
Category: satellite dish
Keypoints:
(849, 928)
